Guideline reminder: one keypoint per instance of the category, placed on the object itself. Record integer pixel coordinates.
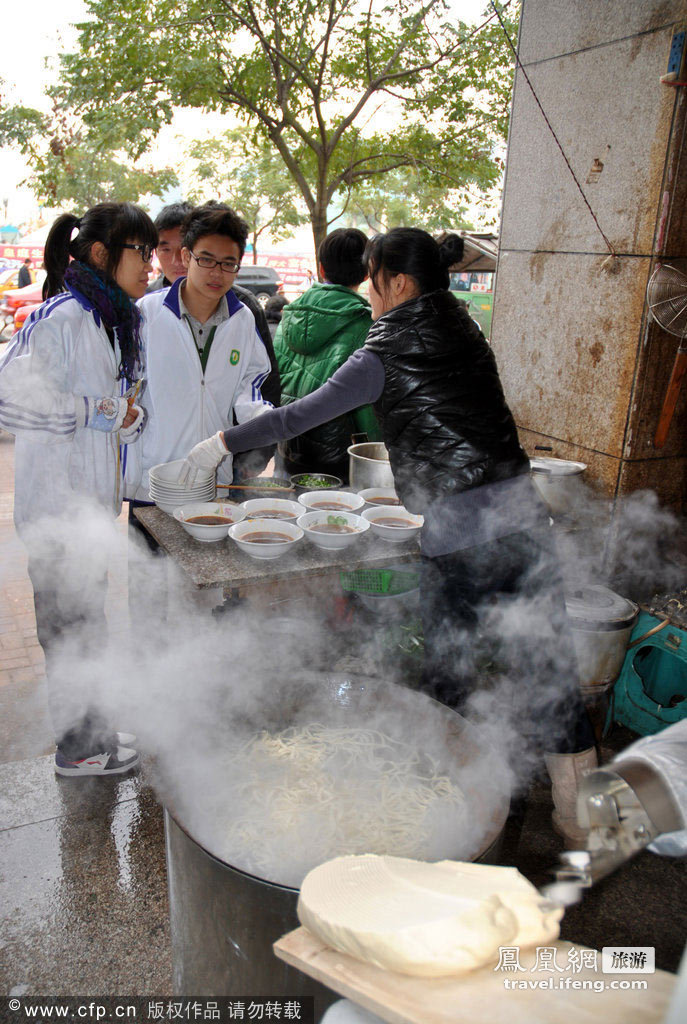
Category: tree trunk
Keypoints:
(255, 248)
(318, 219)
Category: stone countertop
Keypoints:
(223, 564)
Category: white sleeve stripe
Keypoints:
(18, 424)
(59, 419)
(39, 314)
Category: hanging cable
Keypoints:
(519, 65)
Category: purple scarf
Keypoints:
(117, 311)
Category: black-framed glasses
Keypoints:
(144, 251)
(208, 263)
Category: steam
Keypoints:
(196, 687)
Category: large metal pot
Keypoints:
(558, 482)
(602, 623)
(369, 466)
(224, 920)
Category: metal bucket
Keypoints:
(223, 923)
(601, 622)
(224, 920)
(369, 466)
(558, 482)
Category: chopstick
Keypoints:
(251, 487)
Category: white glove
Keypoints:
(131, 433)
(106, 414)
(666, 752)
(203, 460)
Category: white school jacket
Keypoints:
(183, 404)
(61, 353)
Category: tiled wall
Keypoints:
(584, 369)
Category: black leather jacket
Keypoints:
(443, 412)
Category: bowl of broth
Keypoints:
(265, 538)
(393, 523)
(208, 521)
(376, 496)
(272, 508)
(332, 530)
(331, 501)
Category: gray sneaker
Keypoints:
(123, 759)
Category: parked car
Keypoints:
(16, 298)
(263, 282)
(22, 313)
(10, 277)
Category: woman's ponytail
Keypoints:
(57, 253)
(451, 248)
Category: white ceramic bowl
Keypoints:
(184, 497)
(385, 496)
(376, 515)
(332, 540)
(240, 534)
(256, 508)
(348, 500)
(169, 507)
(168, 473)
(203, 531)
(206, 485)
(169, 503)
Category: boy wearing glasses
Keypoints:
(205, 362)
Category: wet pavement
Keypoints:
(83, 899)
(83, 892)
(82, 885)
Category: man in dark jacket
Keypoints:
(317, 334)
(24, 276)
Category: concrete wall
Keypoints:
(584, 369)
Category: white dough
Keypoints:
(423, 919)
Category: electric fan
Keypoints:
(666, 296)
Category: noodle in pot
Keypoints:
(310, 793)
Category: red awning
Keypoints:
(18, 251)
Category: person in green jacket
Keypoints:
(317, 334)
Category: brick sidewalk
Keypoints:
(24, 723)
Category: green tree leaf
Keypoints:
(343, 92)
(248, 174)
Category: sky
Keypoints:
(29, 45)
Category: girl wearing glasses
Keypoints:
(68, 383)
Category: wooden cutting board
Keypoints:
(481, 996)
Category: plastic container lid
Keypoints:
(557, 467)
(592, 606)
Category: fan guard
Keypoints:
(666, 295)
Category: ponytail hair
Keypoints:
(414, 252)
(113, 224)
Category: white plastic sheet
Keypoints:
(666, 752)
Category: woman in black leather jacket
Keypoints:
(491, 592)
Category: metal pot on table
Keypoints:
(369, 466)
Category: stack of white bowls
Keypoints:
(168, 493)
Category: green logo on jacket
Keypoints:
(234, 357)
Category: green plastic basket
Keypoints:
(379, 581)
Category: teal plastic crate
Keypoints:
(651, 691)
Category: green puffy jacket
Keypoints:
(317, 334)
